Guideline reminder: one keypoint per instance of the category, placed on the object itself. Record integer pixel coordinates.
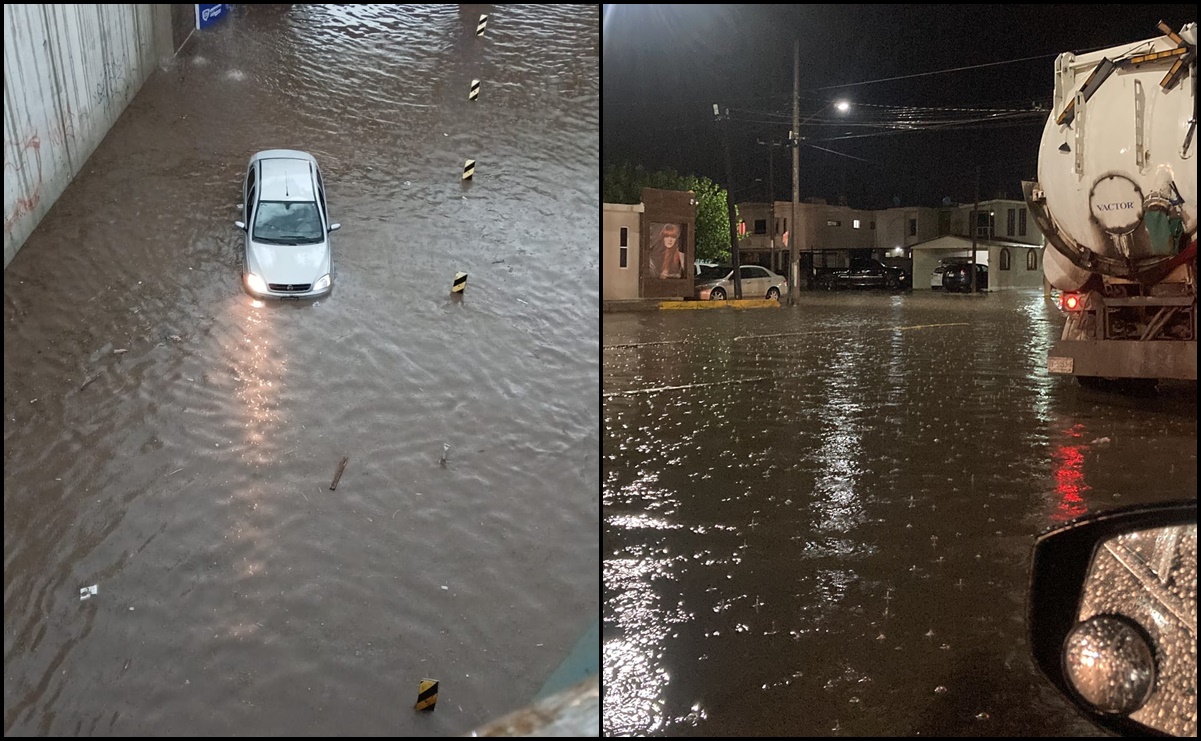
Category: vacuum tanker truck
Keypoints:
(1116, 200)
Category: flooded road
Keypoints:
(173, 442)
(818, 521)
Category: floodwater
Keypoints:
(173, 442)
(818, 520)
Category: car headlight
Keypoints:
(255, 283)
(322, 283)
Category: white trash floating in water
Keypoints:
(87, 592)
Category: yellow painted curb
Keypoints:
(746, 303)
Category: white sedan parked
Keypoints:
(718, 285)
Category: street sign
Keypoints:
(208, 13)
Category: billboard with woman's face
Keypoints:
(667, 256)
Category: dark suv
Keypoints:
(957, 277)
(869, 274)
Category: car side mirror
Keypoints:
(1112, 617)
(240, 225)
(334, 227)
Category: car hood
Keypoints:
(285, 263)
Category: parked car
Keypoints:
(936, 275)
(718, 284)
(286, 222)
(870, 274)
(958, 277)
(936, 278)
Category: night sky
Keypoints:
(912, 139)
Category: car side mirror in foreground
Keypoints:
(334, 227)
(240, 225)
(1113, 617)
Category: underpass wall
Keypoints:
(69, 72)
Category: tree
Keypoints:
(624, 183)
(712, 220)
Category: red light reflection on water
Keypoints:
(1069, 478)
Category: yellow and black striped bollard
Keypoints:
(479, 29)
(475, 90)
(427, 695)
(468, 169)
(460, 283)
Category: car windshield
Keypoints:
(279, 222)
(708, 272)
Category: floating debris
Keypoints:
(120, 351)
(338, 475)
(87, 592)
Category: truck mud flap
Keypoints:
(1124, 359)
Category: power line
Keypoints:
(934, 72)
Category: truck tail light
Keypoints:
(1072, 302)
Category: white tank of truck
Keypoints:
(1116, 199)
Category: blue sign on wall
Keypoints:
(208, 14)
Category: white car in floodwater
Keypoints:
(287, 227)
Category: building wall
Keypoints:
(959, 217)
(1019, 274)
(618, 283)
(69, 72)
(893, 228)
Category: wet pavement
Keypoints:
(172, 442)
(818, 520)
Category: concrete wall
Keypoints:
(618, 283)
(1025, 269)
(69, 72)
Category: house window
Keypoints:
(1022, 222)
(761, 226)
(855, 223)
(832, 222)
(913, 227)
(1010, 219)
(1004, 258)
(625, 256)
(625, 238)
(984, 225)
(1031, 260)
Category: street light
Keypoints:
(794, 140)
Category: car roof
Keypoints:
(295, 154)
(286, 179)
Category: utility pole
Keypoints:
(971, 266)
(794, 265)
(725, 120)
